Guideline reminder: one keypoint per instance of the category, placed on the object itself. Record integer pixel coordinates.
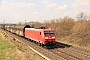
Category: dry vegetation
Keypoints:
(15, 50)
(69, 30)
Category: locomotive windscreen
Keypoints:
(51, 32)
(48, 33)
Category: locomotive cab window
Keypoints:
(51, 32)
(46, 32)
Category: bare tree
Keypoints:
(20, 23)
(81, 16)
(89, 17)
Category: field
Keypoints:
(11, 50)
(8, 51)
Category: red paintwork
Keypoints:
(34, 34)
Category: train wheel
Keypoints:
(39, 43)
(31, 40)
(36, 42)
(43, 45)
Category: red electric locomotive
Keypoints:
(43, 36)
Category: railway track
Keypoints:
(43, 51)
(74, 53)
(71, 53)
(60, 52)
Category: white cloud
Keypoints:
(27, 1)
(80, 3)
(15, 11)
(61, 7)
(58, 12)
(55, 6)
(49, 5)
(36, 13)
(16, 6)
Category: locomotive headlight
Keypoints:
(46, 37)
(53, 37)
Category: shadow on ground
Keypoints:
(61, 45)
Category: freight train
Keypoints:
(40, 35)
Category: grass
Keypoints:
(8, 51)
(15, 50)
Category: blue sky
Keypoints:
(39, 10)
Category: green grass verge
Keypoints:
(8, 51)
